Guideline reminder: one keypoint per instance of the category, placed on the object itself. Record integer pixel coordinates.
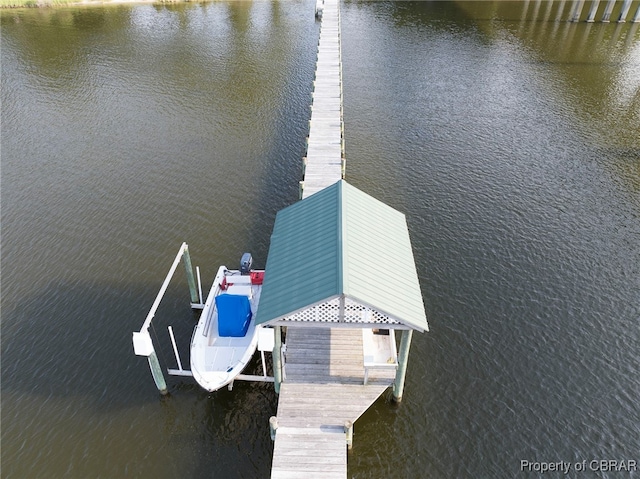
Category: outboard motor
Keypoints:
(245, 263)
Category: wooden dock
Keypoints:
(324, 368)
(323, 390)
(331, 375)
(324, 163)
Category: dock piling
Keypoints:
(577, 10)
(626, 5)
(606, 16)
(273, 426)
(156, 372)
(592, 12)
(403, 358)
(348, 429)
(277, 360)
(190, 278)
(143, 346)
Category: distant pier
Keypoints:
(603, 10)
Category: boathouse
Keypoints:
(341, 258)
(341, 278)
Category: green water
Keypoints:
(509, 137)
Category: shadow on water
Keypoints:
(68, 352)
(75, 340)
(225, 433)
(69, 340)
(235, 435)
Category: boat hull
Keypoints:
(217, 360)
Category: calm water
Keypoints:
(510, 139)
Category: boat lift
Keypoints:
(143, 344)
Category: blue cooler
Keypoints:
(234, 315)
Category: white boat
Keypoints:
(226, 336)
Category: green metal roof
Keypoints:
(341, 249)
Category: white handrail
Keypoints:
(163, 289)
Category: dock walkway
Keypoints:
(324, 163)
(323, 392)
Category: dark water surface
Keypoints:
(510, 139)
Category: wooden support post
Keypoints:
(348, 429)
(592, 12)
(626, 5)
(277, 360)
(156, 372)
(273, 427)
(401, 372)
(636, 17)
(577, 10)
(606, 16)
(190, 278)
(143, 346)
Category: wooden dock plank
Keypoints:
(312, 452)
